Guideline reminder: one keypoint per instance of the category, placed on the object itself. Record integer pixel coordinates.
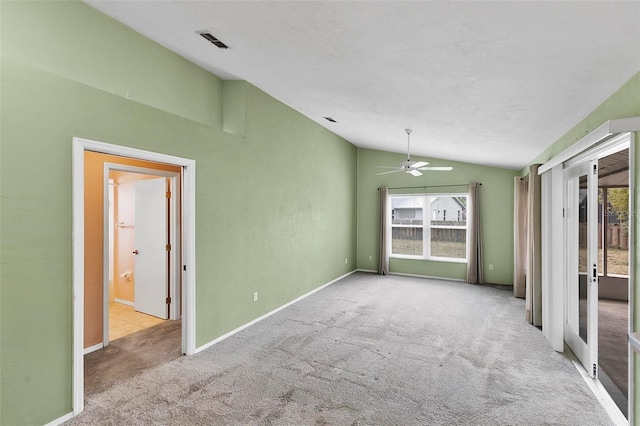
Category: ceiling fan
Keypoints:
(412, 167)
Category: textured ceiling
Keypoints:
(483, 82)
(613, 170)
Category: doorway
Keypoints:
(613, 276)
(184, 266)
(597, 289)
(143, 214)
(612, 142)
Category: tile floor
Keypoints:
(124, 320)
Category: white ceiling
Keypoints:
(484, 82)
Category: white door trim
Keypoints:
(174, 277)
(610, 136)
(632, 274)
(79, 146)
(606, 130)
(553, 299)
(585, 349)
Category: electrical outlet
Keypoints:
(370, 257)
(491, 267)
(255, 296)
(346, 260)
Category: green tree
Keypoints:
(618, 199)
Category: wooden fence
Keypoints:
(617, 237)
(437, 234)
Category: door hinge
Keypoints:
(184, 267)
(168, 247)
(562, 212)
(168, 300)
(595, 370)
(168, 194)
(595, 169)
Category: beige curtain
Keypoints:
(475, 270)
(383, 256)
(521, 186)
(533, 299)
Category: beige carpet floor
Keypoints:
(368, 350)
(130, 356)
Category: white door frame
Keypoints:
(188, 269)
(174, 237)
(585, 351)
(610, 137)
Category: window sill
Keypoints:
(617, 276)
(609, 275)
(431, 259)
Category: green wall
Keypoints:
(276, 206)
(623, 103)
(496, 204)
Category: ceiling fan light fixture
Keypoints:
(437, 168)
(409, 166)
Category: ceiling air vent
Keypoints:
(207, 35)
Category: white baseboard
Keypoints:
(413, 275)
(124, 302)
(427, 276)
(93, 348)
(60, 420)
(268, 314)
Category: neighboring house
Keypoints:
(448, 209)
(406, 210)
(443, 209)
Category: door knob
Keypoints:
(135, 252)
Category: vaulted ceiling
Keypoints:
(487, 82)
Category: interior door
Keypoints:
(151, 289)
(581, 250)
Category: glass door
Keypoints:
(581, 251)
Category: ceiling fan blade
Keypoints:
(441, 169)
(419, 164)
(385, 167)
(415, 172)
(385, 173)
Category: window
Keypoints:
(443, 237)
(613, 222)
(406, 226)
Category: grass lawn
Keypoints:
(617, 263)
(405, 246)
(439, 249)
(618, 260)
